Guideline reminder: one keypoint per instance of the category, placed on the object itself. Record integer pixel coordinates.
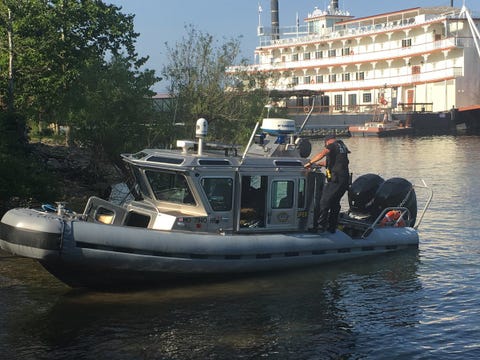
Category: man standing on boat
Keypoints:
(338, 180)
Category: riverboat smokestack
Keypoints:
(275, 21)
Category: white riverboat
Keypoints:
(420, 65)
(207, 210)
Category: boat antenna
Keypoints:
(308, 116)
(251, 140)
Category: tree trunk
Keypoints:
(10, 98)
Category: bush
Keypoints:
(22, 176)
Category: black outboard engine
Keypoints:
(362, 193)
(396, 192)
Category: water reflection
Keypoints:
(291, 315)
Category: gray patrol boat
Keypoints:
(206, 210)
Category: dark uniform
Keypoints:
(338, 180)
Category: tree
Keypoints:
(117, 109)
(55, 42)
(201, 87)
(74, 64)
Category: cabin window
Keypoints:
(318, 54)
(301, 194)
(170, 186)
(104, 215)
(140, 181)
(367, 97)
(219, 192)
(137, 220)
(282, 194)
(253, 201)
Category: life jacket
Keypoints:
(393, 218)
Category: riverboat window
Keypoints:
(346, 51)
(170, 186)
(367, 97)
(282, 194)
(295, 80)
(332, 53)
(319, 79)
(306, 56)
(346, 77)
(318, 54)
(360, 75)
(338, 102)
(406, 43)
(306, 80)
(219, 193)
(295, 57)
(332, 78)
(416, 70)
(352, 101)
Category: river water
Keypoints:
(424, 304)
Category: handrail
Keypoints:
(405, 215)
(307, 117)
(404, 211)
(427, 204)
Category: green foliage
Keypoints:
(73, 63)
(54, 44)
(201, 87)
(119, 111)
(21, 174)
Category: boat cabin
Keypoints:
(216, 190)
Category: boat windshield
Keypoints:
(170, 186)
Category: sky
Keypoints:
(164, 21)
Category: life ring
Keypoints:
(393, 218)
(306, 109)
(383, 101)
(351, 52)
(312, 81)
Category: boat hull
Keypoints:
(367, 132)
(82, 253)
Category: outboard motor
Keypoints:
(396, 192)
(362, 193)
